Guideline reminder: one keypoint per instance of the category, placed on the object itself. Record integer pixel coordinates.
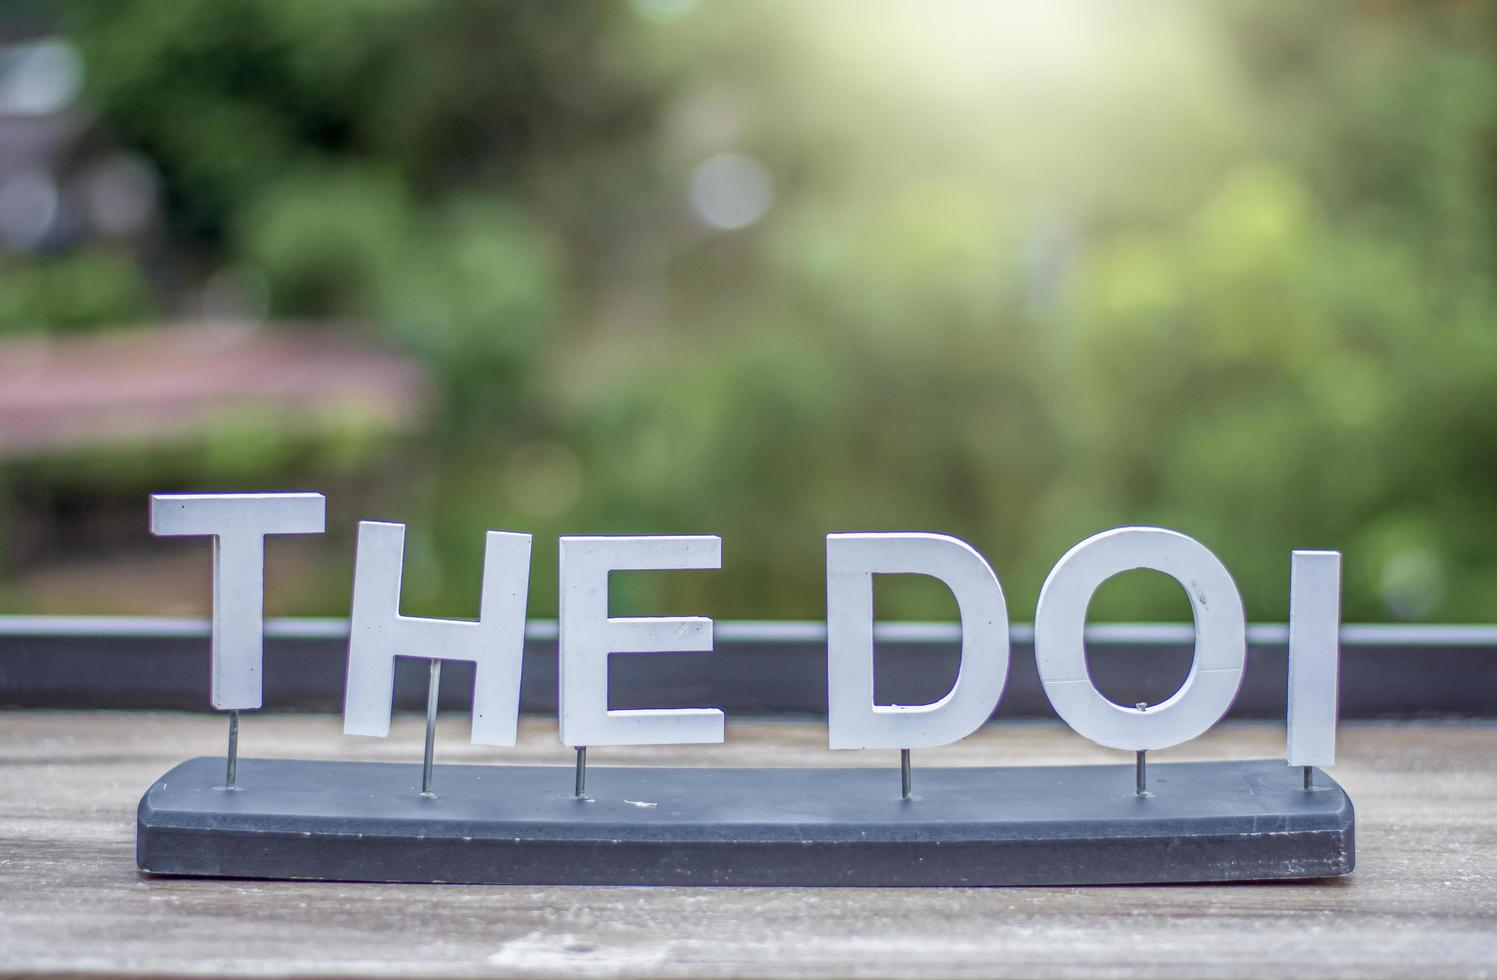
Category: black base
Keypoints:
(1051, 825)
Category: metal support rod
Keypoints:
(904, 774)
(581, 772)
(1141, 762)
(1309, 777)
(233, 770)
(433, 690)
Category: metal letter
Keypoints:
(1314, 652)
(589, 635)
(854, 721)
(378, 633)
(238, 524)
(1220, 639)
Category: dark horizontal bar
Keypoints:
(756, 668)
(320, 628)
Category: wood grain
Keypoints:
(1423, 899)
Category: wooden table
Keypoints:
(1423, 899)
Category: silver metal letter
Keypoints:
(1314, 655)
(589, 635)
(378, 633)
(1220, 646)
(854, 721)
(238, 524)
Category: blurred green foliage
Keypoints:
(87, 288)
(1030, 270)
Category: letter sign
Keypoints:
(1314, 652)
(378, 633)
(588, 636)
(1220, 641)
(853, 720)
(238, 524)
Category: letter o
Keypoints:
(1220, 638)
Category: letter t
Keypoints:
(238, 524)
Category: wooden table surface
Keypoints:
(1422, 900)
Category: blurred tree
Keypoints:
(1018, 272)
